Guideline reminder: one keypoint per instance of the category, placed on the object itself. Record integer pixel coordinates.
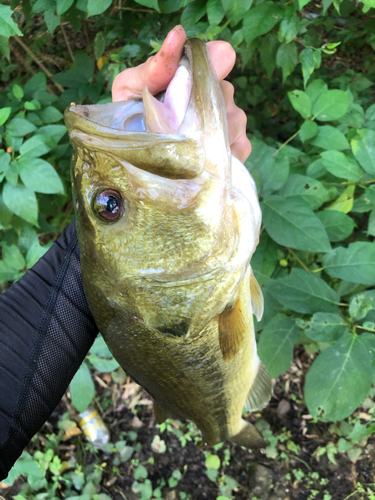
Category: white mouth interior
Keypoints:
(152, 115)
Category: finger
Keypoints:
(156, 72)
(222, 56)
(241, 149)
(236, 117)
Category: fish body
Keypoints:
(167, 221)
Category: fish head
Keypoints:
(153, 194)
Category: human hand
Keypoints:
(158, 71)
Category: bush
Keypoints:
(304, 76)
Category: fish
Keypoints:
(167, 221)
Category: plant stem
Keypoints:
(286, 142)
(299, 260)
(67, 43)
(39, 63)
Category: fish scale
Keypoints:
(167, 222)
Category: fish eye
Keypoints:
(109, 205)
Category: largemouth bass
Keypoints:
(167, 221)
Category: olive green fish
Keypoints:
(167, 221)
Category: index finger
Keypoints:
(158, 70)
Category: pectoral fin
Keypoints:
(249, 437)
(257, 302)
(232, 330)
(261, 390)
(160, 414)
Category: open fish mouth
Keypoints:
(165, 135)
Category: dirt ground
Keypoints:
(292, 470)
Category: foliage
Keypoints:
(305, 78)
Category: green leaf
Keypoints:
(276, 344)
(82, 388)
(19, 127)
(4, 115)
(371, 224)
(337, 224)
(38, 145)
(339, 165)
(4, 47)
(268, 52)
(363, 147)
(103, 365)
(339, 379)
(292, 223)
(261, 19)
(286, 58)
(289, 25)
(302, 3)
(56, 132)
(192, 13)
(13, 257)
(331, 105)
(41, 6)
(7, 26)
(212, 461)
(140, 472)
(355, 263)
(344, 202)
(360, 305)
(35, 252)
(301, 103)
(304, 292)
(215, 12)
(50, 114)
(99, 44)
(308, 63)
(40, 176)
(17, 91)
(316, 89)
(234, 9)
(152, 4)
(325, 327)
(272, 172)
(63, 6)
(265, 258)
(52, 21)
(308, 130)
(96, 7)
(330, 138)
(21, 201)
(307, 188)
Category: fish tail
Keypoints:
(249, 436)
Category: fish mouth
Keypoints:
(174, 122)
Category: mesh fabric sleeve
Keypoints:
(46, 329)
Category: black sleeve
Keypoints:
(46, 329)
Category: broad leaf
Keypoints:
(7, 26)
(21, 201)
(316, 89)
(4, 114)
(331, 105)
(304, 292)
(301, 102)
(40, 176)
(363, 147)
(325, 327)
(308, 130)
(355, 263)
(82, 388)
(289, 25)
(276, 344)
(306, 188)
(13, 257)
(38, 145)
(339, 165)
(265, 258)
(234, 10)
(308, 64)
(330, 138)
(292, 223)
(19, 127)
(268, 52)
(261, 19)
(344, 202)
(339, 378)
(96, 7)
(63, 6)
(286, 58)
(337, 224)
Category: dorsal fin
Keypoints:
(257, 301)
(232, 330)
(261, 390)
